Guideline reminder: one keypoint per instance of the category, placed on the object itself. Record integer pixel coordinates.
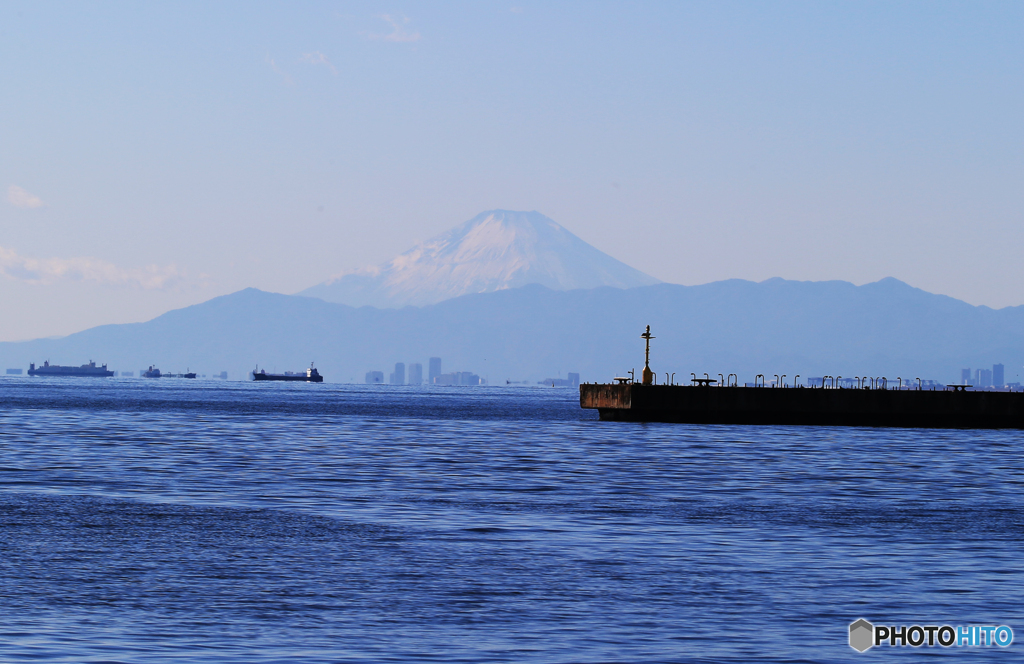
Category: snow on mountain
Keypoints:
(493, 251)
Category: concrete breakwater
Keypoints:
(702, 404)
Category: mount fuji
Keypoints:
(496, 250)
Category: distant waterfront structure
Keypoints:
(572, 381)
(997, 375)
(415, 373)
(374, 377)
(223, 375)
(459, 378)
(398, 376)
(965, 377)
(14, 372)
(433, 370)
(983, 378)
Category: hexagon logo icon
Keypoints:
(862, 635)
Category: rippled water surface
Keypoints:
(172, 520)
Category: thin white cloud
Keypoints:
(18, 197)
(277, 70)
(54, 270)
(318, 58)
(399, 30)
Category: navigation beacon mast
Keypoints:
(648, 375)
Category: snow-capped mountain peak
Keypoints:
(495, 250)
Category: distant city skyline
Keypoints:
(157, 156)
(435, 377)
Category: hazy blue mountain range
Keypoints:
(496, 250)
(774, 327)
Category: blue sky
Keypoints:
(156, 155)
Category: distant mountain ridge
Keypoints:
(496, 250)
(886, 328)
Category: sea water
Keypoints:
(203, 521)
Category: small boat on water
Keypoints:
(152, 372)
(310, 375)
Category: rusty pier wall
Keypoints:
(810, 406)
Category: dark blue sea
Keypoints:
(202, 521)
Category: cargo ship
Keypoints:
(87, 370)
(310, 375)
(152, 372)
(873, 403)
